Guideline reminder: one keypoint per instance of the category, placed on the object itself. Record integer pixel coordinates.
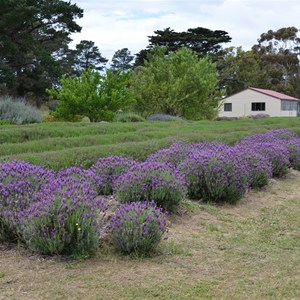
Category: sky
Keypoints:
(117, 24)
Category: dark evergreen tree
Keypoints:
(201, 40)
(34, 35)
(122, 60)
(87, 55)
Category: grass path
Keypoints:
(247, 251)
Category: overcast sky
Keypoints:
(117, 24)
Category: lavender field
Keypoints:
(126, 206)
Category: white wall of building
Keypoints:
(242, 105)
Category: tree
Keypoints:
(176, 84)
(97, 96)
(122, 60)
(33, 36)
(201, 40)
(279, 54)
(239, 70)
(87, 55)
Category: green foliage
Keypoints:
(201, 40)
(93, 95)
(177, 84)
(34, 37)
(86, 55)
(122, 60)
(16, 111)
(239, 70)
(278, 56)
(128, 117)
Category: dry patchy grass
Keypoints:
(249, 251)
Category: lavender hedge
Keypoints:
(259, 167)
(151, 181)
(107, 169)
(20, 183)
(138, 227)
(59, 213)
(216, 176)
(65, 220)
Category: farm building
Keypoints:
(253, 101)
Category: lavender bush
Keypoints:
(107, 169)
(173, 155)
(260, 168)
(293, 145)
(65, 220)
(177, 153)
(151, 181)
(216, 176)
(20, 182)
(138, 227)
(277, 153)
(164, 118)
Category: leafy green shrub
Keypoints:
(16, 111)
(128, 117)
(163, 118)
(2, 122)
(94, 95)
(138, 227)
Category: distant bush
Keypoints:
(163, 117)
(225, 118)
(2, 122)
(107, 169)
(260, 116)
(151, 181)
(173, 155)
(128, 117)
(16, 111)
(138, 227)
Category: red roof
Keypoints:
(275, 94)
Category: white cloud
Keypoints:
(113, 25)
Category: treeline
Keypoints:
(177, 72)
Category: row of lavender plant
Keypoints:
(59, 213)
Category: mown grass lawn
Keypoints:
(247, 251)
(59, 145)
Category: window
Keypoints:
(228, 107)
(258, 106)
(289, 105)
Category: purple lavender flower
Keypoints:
(107, 170)
(151, 181)
(216, 176)
(65, 220)
(138, 227)
(20, 183)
